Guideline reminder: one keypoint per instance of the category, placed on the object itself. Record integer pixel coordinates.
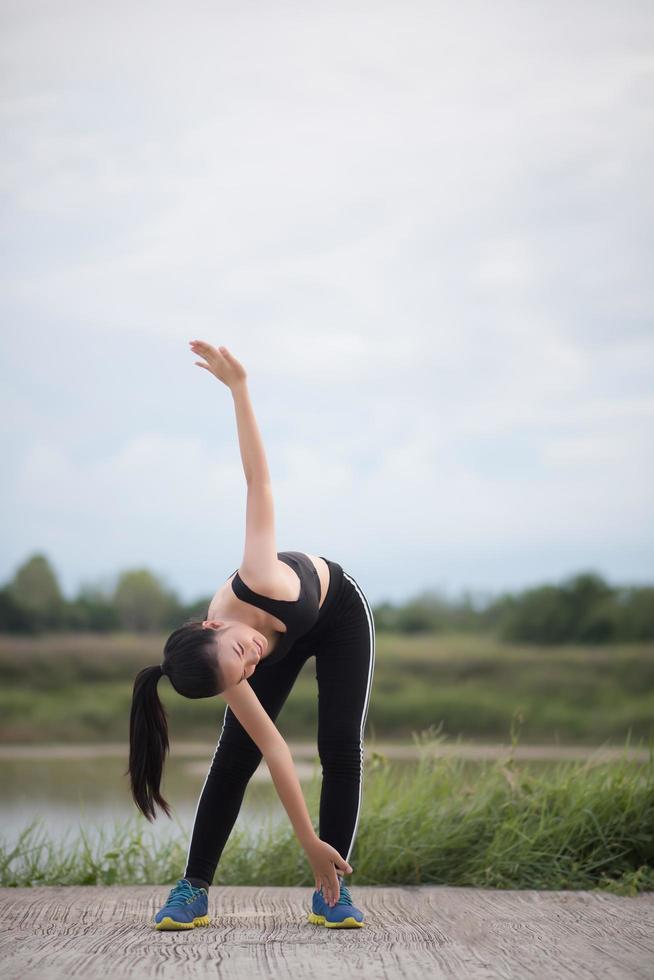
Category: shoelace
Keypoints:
(181, 894)
(346, 898)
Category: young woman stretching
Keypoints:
(274, 612)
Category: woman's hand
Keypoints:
(327, 863)
(220, 363)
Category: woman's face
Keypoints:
(240, 648)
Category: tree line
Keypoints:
(583, 608)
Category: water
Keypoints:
(93, 792)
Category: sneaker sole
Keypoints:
(348, 923)
(168, 923)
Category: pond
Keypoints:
(74, 788)
(65, 793)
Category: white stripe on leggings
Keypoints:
(364, 715)
(188, 853)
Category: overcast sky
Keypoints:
(426, 230)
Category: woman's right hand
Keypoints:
(220, 362)
(326, 863)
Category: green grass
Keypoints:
(573, 825)
(77, 687)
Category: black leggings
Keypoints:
(343, 643)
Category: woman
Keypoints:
(250, 649)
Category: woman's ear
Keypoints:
(214, 623)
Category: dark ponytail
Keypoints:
(192, 667)
(148, 743)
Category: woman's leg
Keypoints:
(345, 660)
(235, 761)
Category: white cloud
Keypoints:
(423, 228)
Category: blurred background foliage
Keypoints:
(575, 659)
(583, 608)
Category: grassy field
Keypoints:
(77, 687)
(501, 824)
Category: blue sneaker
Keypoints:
(186, 907)
(343, 915)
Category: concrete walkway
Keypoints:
(423, 932)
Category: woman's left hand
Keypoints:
(327, 864)
(220, 362)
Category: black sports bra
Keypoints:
(297, 615)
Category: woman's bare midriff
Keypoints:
(226, 605)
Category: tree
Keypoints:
(142, 602)
(636, 613)
(13, 618)
(35, 589)
(591, 608)
(536, 616)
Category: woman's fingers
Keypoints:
(203, 347)
(331, 890)
(327, 891)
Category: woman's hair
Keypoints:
(191, 665)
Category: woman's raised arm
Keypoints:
(259, 563)
(223, 365)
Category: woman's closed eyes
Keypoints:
(241, 653)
